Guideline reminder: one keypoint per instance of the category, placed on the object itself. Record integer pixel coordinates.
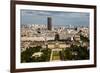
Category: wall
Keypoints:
(5, 36)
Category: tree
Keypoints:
(76, 53)
(26, 55)
(84, 39)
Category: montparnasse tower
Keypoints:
(49, 23)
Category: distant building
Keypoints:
(77, 38)
(49, 23)
(37, 54)
(56, 36)
(58, 45)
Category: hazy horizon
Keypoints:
(58, 17)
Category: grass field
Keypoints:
(56, 55)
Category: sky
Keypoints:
(58, 17)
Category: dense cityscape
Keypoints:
(45, 42)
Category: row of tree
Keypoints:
(75, 53)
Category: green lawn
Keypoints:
(56, 55)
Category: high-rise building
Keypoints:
(49, 23)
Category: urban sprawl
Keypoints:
(45, 42)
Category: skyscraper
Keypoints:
(49, 23)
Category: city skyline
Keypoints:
(40, 43)
(58, 17)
